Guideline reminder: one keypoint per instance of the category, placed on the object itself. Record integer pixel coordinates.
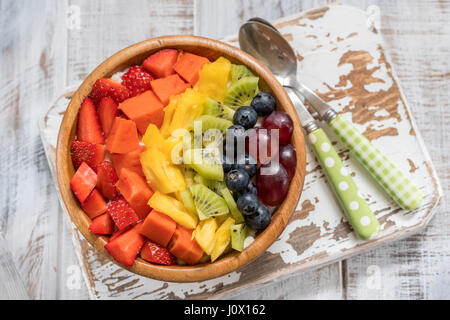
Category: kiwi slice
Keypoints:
(238, 234)
(207, 202)
(241, 92)
(213, 139)
(208, 169)
(217, 109)
(239, 71)
(198, 179)
(211, 122)
(221, 189)
(188, 201)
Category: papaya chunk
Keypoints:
(123, 137)
(143, 110)
(158, 227)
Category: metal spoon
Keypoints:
(263, 41)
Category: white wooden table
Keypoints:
(47, 45)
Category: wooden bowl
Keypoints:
(211, 49)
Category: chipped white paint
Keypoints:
(106, 280)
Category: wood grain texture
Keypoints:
(417, 39)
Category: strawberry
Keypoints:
(89, 129)
(122, 214)
(90, 153)
(103, 224)
(108, 88)
(107, 112)
(83, 182)
(125, 247)
(155, 253)
(136, 80)
(107, 179)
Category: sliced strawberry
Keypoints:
(137, 80)
(83, 182)
(108, 88)
(90, 153)
(155, 253)
(107, 111)
(122, 214)
(103, 224)
(125, 247)
(94, 205)
(106, 180)
(161, 63)
(89, 128)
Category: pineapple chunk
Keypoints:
(168, 115)
(154, 139)
(214, 78)
(222, 239)
(182, 110)
(205, 234)
(174, 209)
(162, 175)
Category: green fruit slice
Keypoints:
(221, 189)
(211, 122)
(238, 234)
(208, 203)
(188, 201)
(216, 109)
(241, 92)
(194, 159)
(239, 71)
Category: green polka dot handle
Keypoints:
(356, 209)
(391, 179)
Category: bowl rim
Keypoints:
(200, 272)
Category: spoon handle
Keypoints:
(390, 178)
(356, 209)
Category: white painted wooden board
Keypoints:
(324, 216)
(416, 34)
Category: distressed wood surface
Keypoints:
(40, 56)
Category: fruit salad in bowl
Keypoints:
(182, 159)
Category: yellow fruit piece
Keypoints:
(214, 78)
(189, 107)
(222, 239)
(154, 139)
(160, 173)
(174, 209)
(168, 115)
(204, 234)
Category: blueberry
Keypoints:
(237, 180)
(263, 103)
(248, 163)
(251, 188)
(260, 219)
(248, 203)
(235, 135)
(227, 163)
(246, 117)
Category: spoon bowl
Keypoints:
(266, 44)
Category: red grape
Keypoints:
(287, 156)
(282, 121)
(272, 182)
(258, 144)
